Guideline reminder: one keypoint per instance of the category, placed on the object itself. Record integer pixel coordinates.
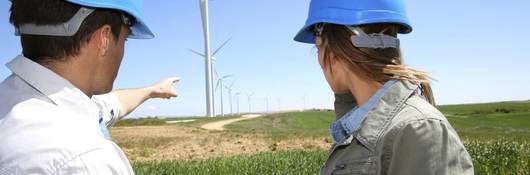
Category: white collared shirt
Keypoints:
(48, 126)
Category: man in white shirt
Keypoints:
(56, 106)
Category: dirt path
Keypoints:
(220, 124)
(177, 142)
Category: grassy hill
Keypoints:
(476, 121)
(490, 120)
(287, 125)
(496, 135)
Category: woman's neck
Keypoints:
(362, 89)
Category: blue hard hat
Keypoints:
(353, 13)
(132, 7)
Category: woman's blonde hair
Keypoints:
(379, 64)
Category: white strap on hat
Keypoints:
(375, 40)
(68, 28)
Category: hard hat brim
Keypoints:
(139, 30)
(305, 35)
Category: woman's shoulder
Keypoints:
(417, 108)
(418, 113)
(420, 121)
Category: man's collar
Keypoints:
(57, 89)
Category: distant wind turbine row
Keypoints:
(210, 61)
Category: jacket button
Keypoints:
(340, 167)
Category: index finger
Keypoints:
(174, 79)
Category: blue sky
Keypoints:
(477, 50)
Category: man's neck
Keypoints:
(77, 70)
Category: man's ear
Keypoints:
(103, 38)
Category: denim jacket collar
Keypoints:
(379, 114)
(351, 121)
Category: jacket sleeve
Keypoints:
(427, 146)
(343, 104)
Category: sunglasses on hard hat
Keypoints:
(317, 29)
(128, 20)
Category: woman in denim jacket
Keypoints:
(386, 119)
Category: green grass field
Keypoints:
(498, 157)
(280, 163)
(497, 136)
(155, 121)
(150, 121)
(491, 120)
(287, 125)
(474, 121)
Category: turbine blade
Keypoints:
(221, 47)
(226, 76)
(217, 85)
(197, 53)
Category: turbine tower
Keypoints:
(220, 84)
(249, 105)
(237, 99)
(230, 96)
(208, 61)
(267, 104)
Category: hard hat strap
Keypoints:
(68, 28)
(375, 40)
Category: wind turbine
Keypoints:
(237, 98)
(220, 84)
(279, 104)
(213, 60)
(249, 105)
(303, 102)
(230, 96)
(208, 61)
(267, 104)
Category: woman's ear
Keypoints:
(318, 41)
(334, 62)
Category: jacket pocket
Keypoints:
(353, 158)
(355, 167)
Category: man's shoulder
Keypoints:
(17, 94)
(26, 108)
(40, 140)
(29, 122)
(34, 125)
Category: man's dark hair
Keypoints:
(53, 12)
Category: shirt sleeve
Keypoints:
(343, 104)
(427, 147)
(109, 106)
